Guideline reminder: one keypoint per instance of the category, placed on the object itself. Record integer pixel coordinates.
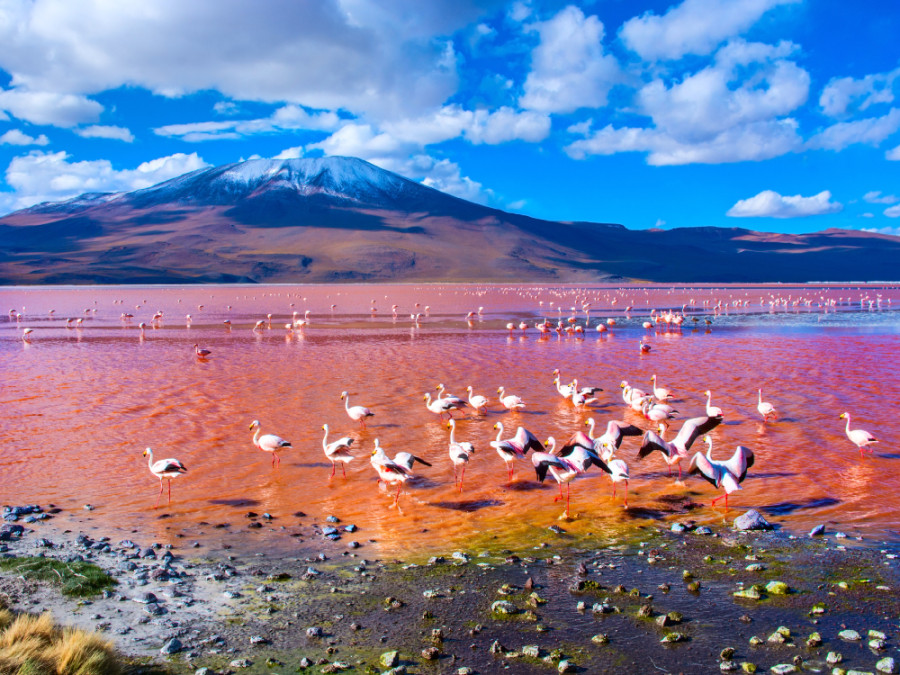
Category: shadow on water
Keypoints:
(237, 503)
(313, 465)
(784, 508)
(525, 486)
(468, 506)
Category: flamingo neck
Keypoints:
(499, 430)
(591, 428)
(325, 440)
(346, 403)
(150, 458)
(452, 434)
(847, 428)
(256, 435)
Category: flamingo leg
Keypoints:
(669, 469)
(397, 496)
(344, 469)
(462, 478)
(170, 491)
(568, 491)
(332, 469)
(679, 470)
(626, 492)
(160, 493)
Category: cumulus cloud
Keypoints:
(111, 132)
(848, 94)
(477, 126)
(569, 69)
(892, 231)
(892, 211)
(18, 137)
(875, 197)
(893, 154)
(693, 27)
(770, 204)
(285, 118)
(733, 110)
(48, 107)
(40, 177)
(359, 55)
(871, 131)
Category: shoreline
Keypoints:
(335, 606)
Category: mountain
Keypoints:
(343, 219)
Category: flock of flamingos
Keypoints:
(562, 461)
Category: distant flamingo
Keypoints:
(510, 402)
(859, 437)
(478, 402)
(765, 408)
(201, 352)
(660, 393)
(711, 410)
(645, 348)
(164, 468)
(337, 451)
(268, 442)
(515, 447)
(356, 413)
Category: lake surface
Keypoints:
(79, 404)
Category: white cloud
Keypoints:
(18, 137)
(291, 153)
(693, 27)
(875, 197)
(363, 56)
(847, 94)
(286, 118)
(892, 211)
(47, 107)
(111, 132)
(770, 204)
(893, 154)
(892, 231)
(226, 108)
(569, 69)
(870, 131)
(733, 110)
(40, 177)
(445, 176)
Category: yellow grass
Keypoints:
(33, 645)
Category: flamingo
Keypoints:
(677, 449)
(478, 402)
(727, 474)
(765, 408)
(585, 391)
(606, 444)
(26, 334)
(656, 413)
(711, 410)
(459, 454)
(618, 473)
(356, 413)
(442, 406)
(564, 390)
(515, 447)
(645, 348)
(859, 437)
(660, 393)
(201, 352)
(510, 402)
(563, 469)
(268, 442)
(397, 470)
(337, 451)
(164, 468)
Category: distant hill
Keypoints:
(343, 219)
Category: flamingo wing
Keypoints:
(527, 441)
(169, 466)
(578, 440)
(707, 470)
(694, 428)
(651, 442)
(739, 462)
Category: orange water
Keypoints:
(79, 405)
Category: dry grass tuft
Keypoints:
(33, 645)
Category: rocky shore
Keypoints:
(671, 598)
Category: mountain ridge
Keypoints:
(344, 219)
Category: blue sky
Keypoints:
(777, 115)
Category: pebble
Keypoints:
(751, 593)
(566, 666)
(314, 632)
(503, 607)
(833, 658)
(678, 528)
(784, 668)
(390, 659)
(817, 531)
(673, 637)
(850, 635)
(887, 665)
(531, 651)
(777, 588)
(258, 640)
(431, 653)
(600, 639)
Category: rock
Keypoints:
(503, 608)
(678, 528)
(146, 598)
(887, 665)
(273, 663)
(818, 608)
(566, 666)
(531, 651)
(390, 659)
(431, 653)
(241, 663)
(777, 638)
(694, 587)
(338, 666)
(727, 653)
(777, 588)
(314, 632)
(876, 634)
(784, 668)
(814, 640)
(755, 641)
(748, 667)
(751, 520)
(703, 530)
(305, 662)
(728, 666)
(817, 531)
(333, 519)
(673, 637)
(258, 640)
(465, 671)
(600, 639)
(849, 635)
(755, 567)
(833, 658)
(751, 593)
(877, 644)
(173, 646)
(460, 556)
(203, 671)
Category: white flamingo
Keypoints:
(516, 447)
(765, 408)
(460, 453)
(164, 468)
(393, 471)
(510, 402)
(859, 437)
(268, 442)
(711, 410)
(337, 451)
(660, 393)
(728, 474)
(478, 402)
(356, 413)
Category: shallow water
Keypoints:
(79, 405)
